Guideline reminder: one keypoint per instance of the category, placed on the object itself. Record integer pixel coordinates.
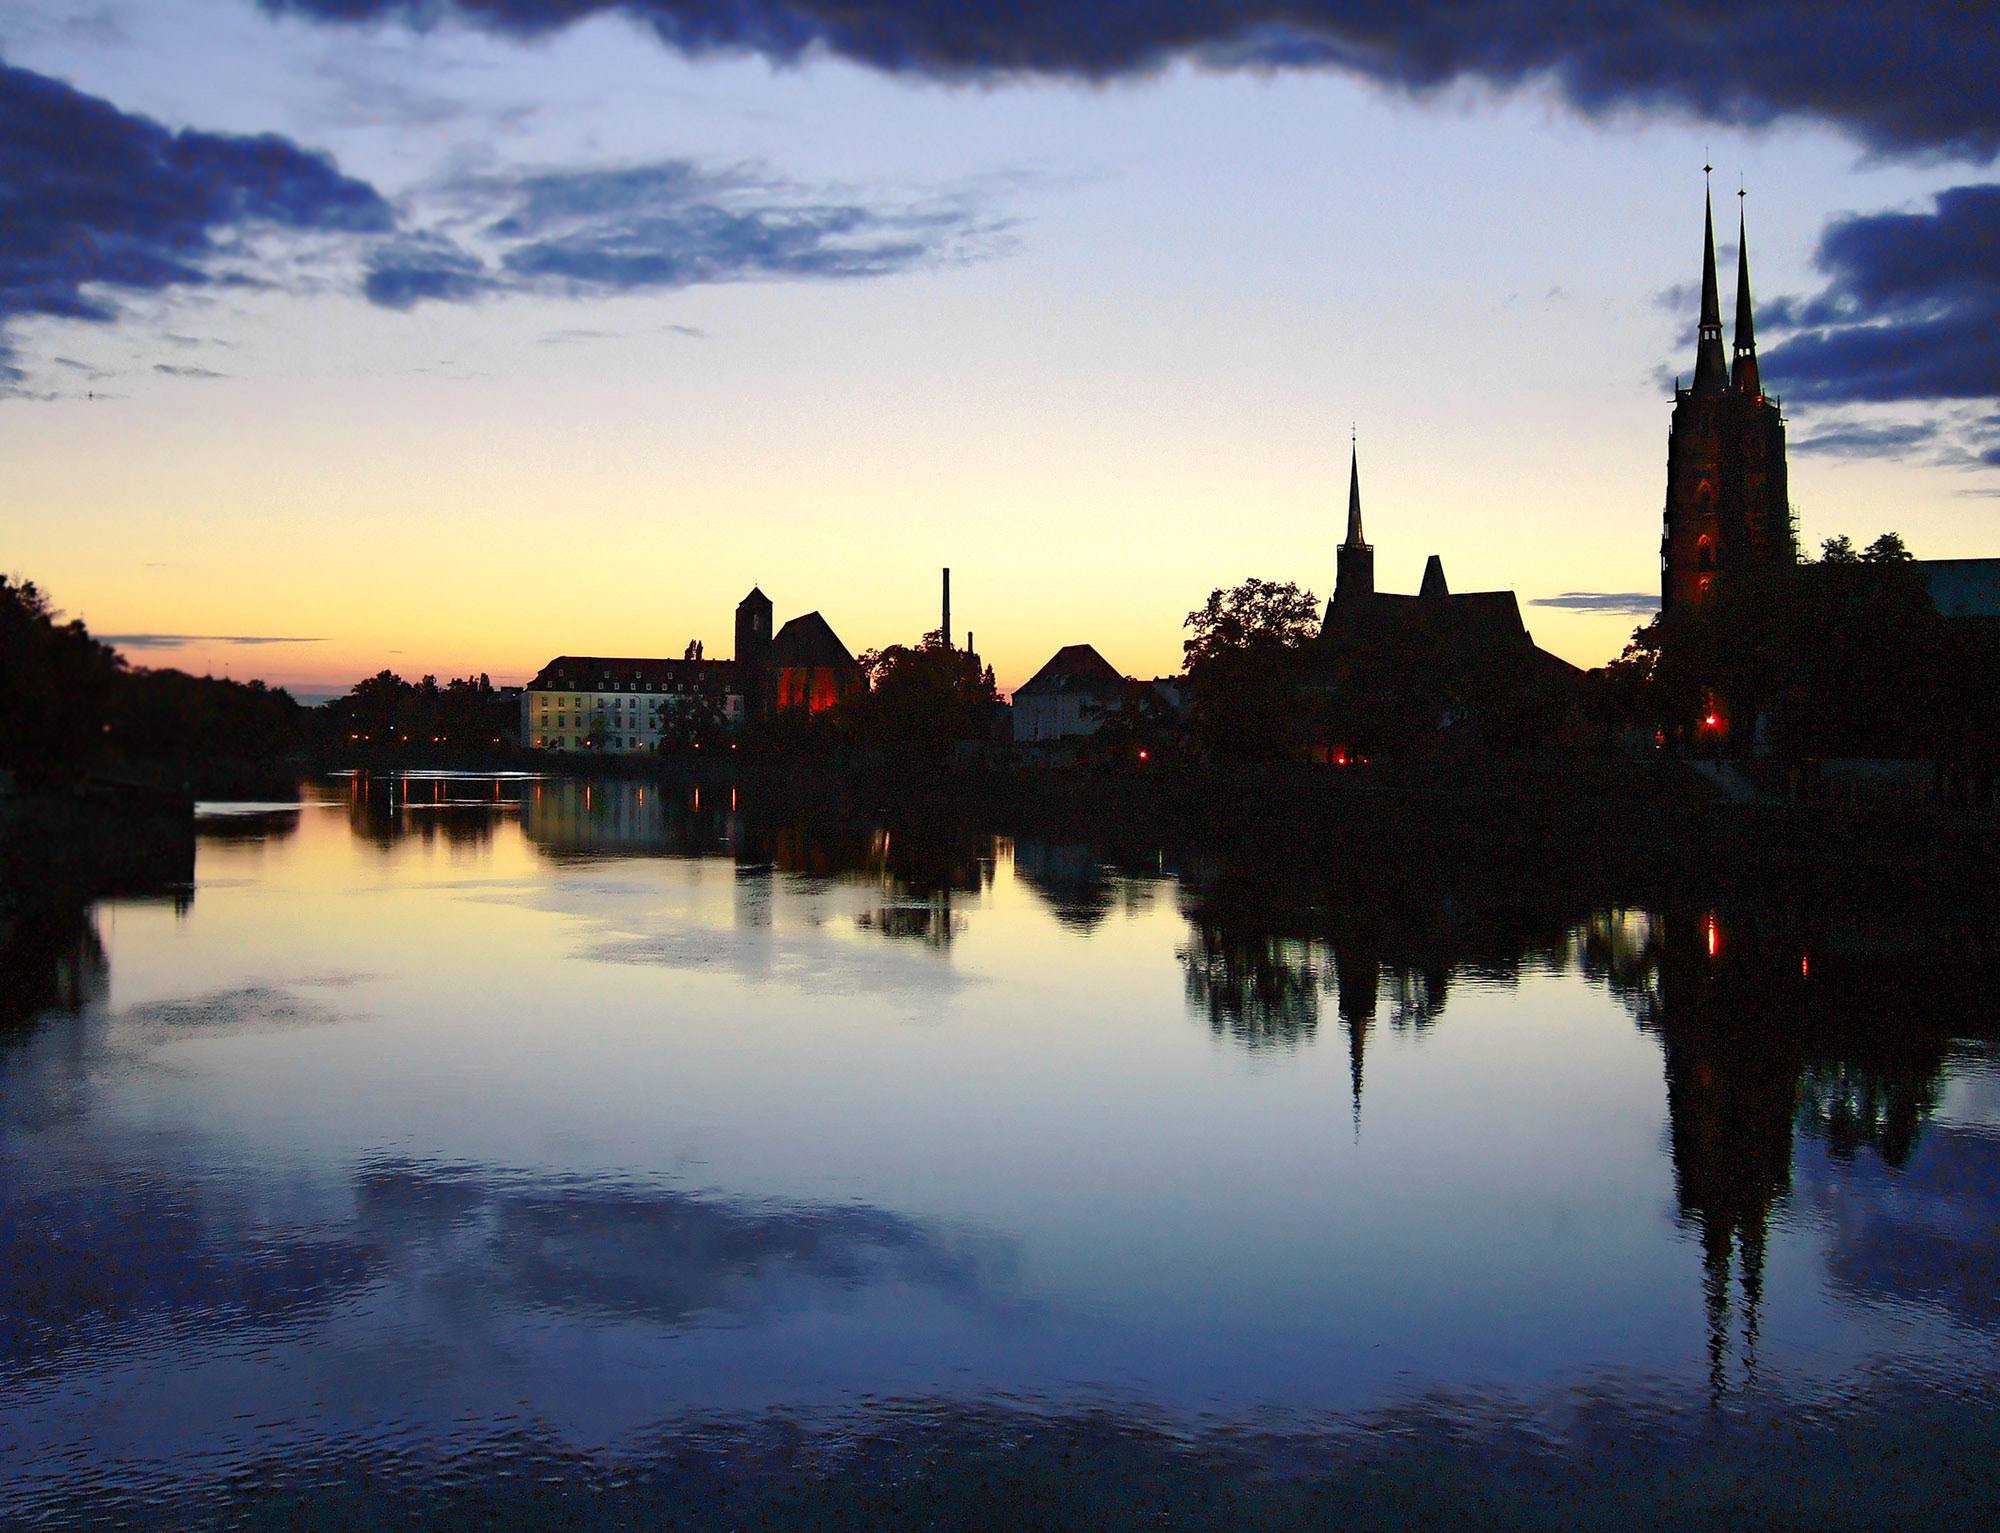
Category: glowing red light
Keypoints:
(1142, 755)
(1711, 721)
(1711, 936)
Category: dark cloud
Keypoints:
(1911, 310)
(1868, 439)
(1915, 77)
(95, 202)
(671, 224)
(93, 199)
(182, 640)
(1640, 602)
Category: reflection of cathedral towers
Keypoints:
(1730, 1103)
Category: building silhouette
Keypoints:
(1356, 609)
(1728, 511)
(808, 667)
(1399, 672)
(623, 705)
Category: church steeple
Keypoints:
(1711, 367)
(1743, 375)
(1354, 578)
(1354, 538)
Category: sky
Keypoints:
(452, 335)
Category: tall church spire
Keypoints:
(1354, 576)
(1354, 538)
(1743, 375)
(1711, 367)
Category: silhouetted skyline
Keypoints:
(544, 329)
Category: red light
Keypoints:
(1711, 936)
(1142, 755)
(1710, 721)
(1804, 968)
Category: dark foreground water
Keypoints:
(464, 1153)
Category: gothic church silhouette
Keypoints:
(1728, 511)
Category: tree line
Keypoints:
(1839, 656)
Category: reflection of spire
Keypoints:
(1358, 979)
(1753, 1295)
(1715, 1254)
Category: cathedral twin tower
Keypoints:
(1728, 511)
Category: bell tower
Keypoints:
(1728, 509)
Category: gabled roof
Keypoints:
(1462, 616)
(1074, 668)
(601, 673)
(807, 643)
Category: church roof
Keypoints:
(809, 642)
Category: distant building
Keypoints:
(1069, 696)
(808, 667)
(1727, 510)
(1468, 652)
(617, 706)
(1439, 615)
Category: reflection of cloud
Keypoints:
(659, 1255)
(252, 1009)
(807, 959)
(89, 1246)
(1929, 1233)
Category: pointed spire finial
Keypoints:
(1743, 374)
(1354, 538)
(1711, 367)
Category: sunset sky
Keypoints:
(452, 335)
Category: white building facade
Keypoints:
(622, 707)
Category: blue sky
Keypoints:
(456, 336)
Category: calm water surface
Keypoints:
(446, 1115)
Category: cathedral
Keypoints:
(1727, 508)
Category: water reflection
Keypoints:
(51, 959)
(653, 1253)
(1079, 884)
(460, 809)
(656, 1105)
(1761, 1043)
